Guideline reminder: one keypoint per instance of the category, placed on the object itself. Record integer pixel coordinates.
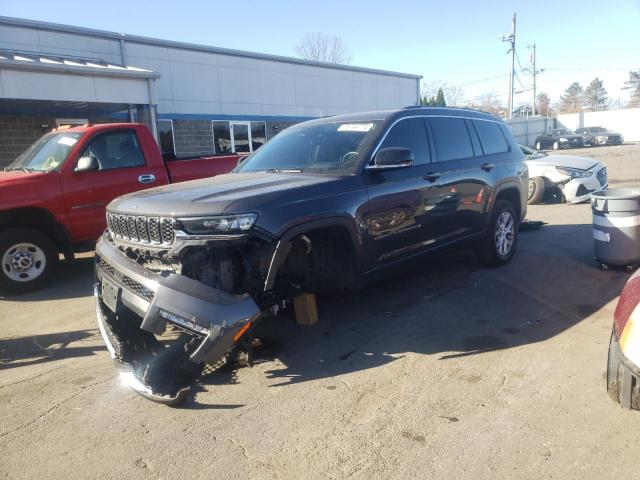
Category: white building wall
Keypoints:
(209, 83)
(625, 121)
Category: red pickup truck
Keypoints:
(53, 196)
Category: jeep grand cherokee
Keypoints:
(184, 271)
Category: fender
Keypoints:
(282, 249)
(508, 184)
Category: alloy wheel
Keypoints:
(505, 233)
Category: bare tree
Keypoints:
(490, 103)
(543, 104)
(323, 48)
(453, 94)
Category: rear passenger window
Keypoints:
(409, 133)
(451, 138)
(491, 137)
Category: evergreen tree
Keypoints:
(595, 96)
(571, 100)
(439, 100)
(633, 84)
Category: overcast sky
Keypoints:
(450, 41)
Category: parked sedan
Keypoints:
(575, 177)
(623, 365)
(559, 138)
(595, 136)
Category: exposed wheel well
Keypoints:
(38, 219)
(322, 259)
(511, 195)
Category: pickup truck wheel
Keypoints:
(501, 238)
(535, 193)
(28, 258)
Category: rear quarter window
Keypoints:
(491, 137)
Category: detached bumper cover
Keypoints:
(142, 304)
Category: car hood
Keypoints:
(569, 161)
(229, 193)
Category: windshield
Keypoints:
(46, 154)
(331, 148)
(562, 131)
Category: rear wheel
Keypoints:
(622, 385)
(501, 238)
(28, 258)
(535, 192)
(556, 145)
(538, 145)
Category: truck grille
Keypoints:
(602, 176)
(141, 229)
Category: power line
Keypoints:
(482, 80)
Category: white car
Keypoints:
(576, 177)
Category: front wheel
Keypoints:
(28, 259)
(501, 238)
(535, 192)
(538, 145)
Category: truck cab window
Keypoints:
(116, 150)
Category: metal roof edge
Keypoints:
(88, 71)
(23, 22)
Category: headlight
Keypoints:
(563, 140)
(601, 138)
(573, 172)
(217, 225)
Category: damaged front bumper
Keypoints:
(136, 307)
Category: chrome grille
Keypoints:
(602, 176)
(141, 229)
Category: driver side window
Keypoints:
(409, 133)
(119, 149)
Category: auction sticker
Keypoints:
(68, 141)
(355, 127)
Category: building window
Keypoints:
(238, 137)
(221, 137)
(165, 135)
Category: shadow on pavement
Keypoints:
(38, 349)
(449, 306)
(71, 280)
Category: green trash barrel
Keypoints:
(616, 226)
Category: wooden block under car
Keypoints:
(305, 309)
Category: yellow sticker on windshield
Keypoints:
(355, 127)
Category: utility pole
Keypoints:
(512, 41)
(535, 72)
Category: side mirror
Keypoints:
(88, 163)
(392, 157)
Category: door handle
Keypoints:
(148, 178)
(487, 166)
(432, 177)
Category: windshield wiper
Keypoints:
(17, 169)
(283, 170)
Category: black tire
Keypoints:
(45, 260)
(535, 193)
(538, 145)
(556, 145)
(622, 386)
(487, 251)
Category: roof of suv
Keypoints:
(408, 111)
